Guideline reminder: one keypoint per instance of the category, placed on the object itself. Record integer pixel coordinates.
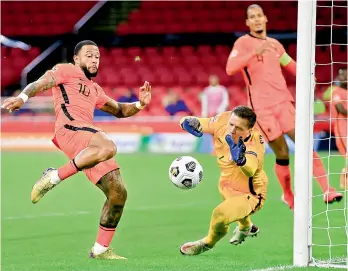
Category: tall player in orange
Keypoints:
(89, 149)
(338, 95)
(260, 58)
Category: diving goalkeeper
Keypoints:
(243, 182)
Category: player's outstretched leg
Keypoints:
(319, 172)
(282, 169)
(232, 209)
(100, 148)
(116, 195)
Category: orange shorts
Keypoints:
(276, 121)
(72, 138)
(341, 136)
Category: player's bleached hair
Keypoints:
(247, 113)
(83, 43)
(253, 6)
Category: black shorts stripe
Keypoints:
(64, 94)
(66, 112)
(251, 186)
(258, 204)
(74, 128)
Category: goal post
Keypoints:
(320, 231)
(304, 131)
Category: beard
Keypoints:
(88, 73)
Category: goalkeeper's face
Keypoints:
(238, 127)
(256, 20)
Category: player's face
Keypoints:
(238, 127)
(256, 20)
(88, 58)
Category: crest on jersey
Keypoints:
(55, 68)
(234, 53)
(213, 119)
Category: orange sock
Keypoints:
(67, 170)
(282, 171)
(105, 236)
(319, 173)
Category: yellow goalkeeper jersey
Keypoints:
(250, 178)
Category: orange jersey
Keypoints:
(249, 178)
(266, 85)
(75, 96)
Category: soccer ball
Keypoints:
(185, 172)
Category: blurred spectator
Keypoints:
(214, 98)
(128, 97)
(174, 105)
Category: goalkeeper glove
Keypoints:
(237, 150)
(193, 126)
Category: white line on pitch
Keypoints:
(140, 208)
(275, 268)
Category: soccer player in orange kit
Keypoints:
(338, 95)
(88, 147)
(240, 152)
(260, 58)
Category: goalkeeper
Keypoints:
(243, 182)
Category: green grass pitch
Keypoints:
(57, 233)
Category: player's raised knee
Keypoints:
(107, 151)
(219, 218)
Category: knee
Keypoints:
(107, 151)
(219, 220)
(118, 196)
(282, 153)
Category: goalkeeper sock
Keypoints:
(217, 231)
(319, 173)
(244, 223)
(282, 170)
(68, 170)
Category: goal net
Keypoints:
(320, 230)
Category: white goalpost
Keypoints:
(320, 231)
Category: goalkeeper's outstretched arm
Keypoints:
(251, 164)
(197, 126)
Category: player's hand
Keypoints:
(193, 126)
(12, 104)
(237, 150)
(145, 94)
(266, 46)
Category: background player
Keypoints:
(260, 59)
(339, 113)
(88, 147)
(243, 183)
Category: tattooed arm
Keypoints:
(43, 83)
(120, 110)
(125, 110)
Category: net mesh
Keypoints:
(329, 222)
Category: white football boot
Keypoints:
(194, 248)
(239, 236)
